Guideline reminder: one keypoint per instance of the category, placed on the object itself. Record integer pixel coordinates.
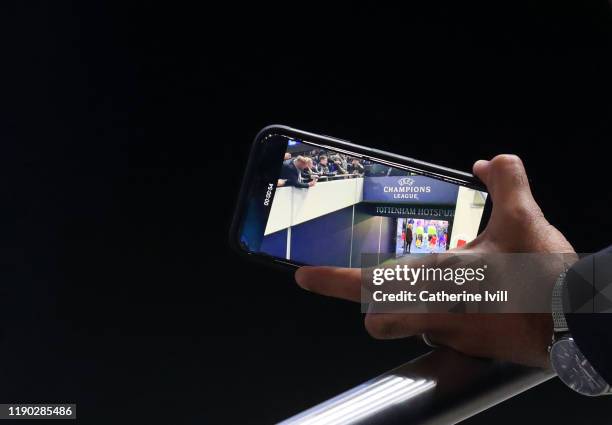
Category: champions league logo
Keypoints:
(406, 190)
(405, 181)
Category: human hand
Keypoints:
(516, 225)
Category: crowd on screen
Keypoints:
(305, 169)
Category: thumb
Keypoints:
(506, 180)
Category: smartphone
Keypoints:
(310, 199)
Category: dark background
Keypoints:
(124, 131)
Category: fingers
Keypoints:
(335, 282)
(345, 283)
(392, 326)
(504, 176)
(507, 183)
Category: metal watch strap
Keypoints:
(559, 323)
(560, 328)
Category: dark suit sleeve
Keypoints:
(588, 306)
(290, 173)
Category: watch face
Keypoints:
(575, 370)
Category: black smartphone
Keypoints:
(309, 199)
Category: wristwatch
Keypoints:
(566, 359)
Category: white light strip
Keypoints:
(363, 401)
(339, 399)
(356, 399)
(370, 409)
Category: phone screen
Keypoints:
(313, 205)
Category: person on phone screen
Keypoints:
(407, 238)
(291, 172)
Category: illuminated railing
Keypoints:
(442, 387)
(363, 401)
